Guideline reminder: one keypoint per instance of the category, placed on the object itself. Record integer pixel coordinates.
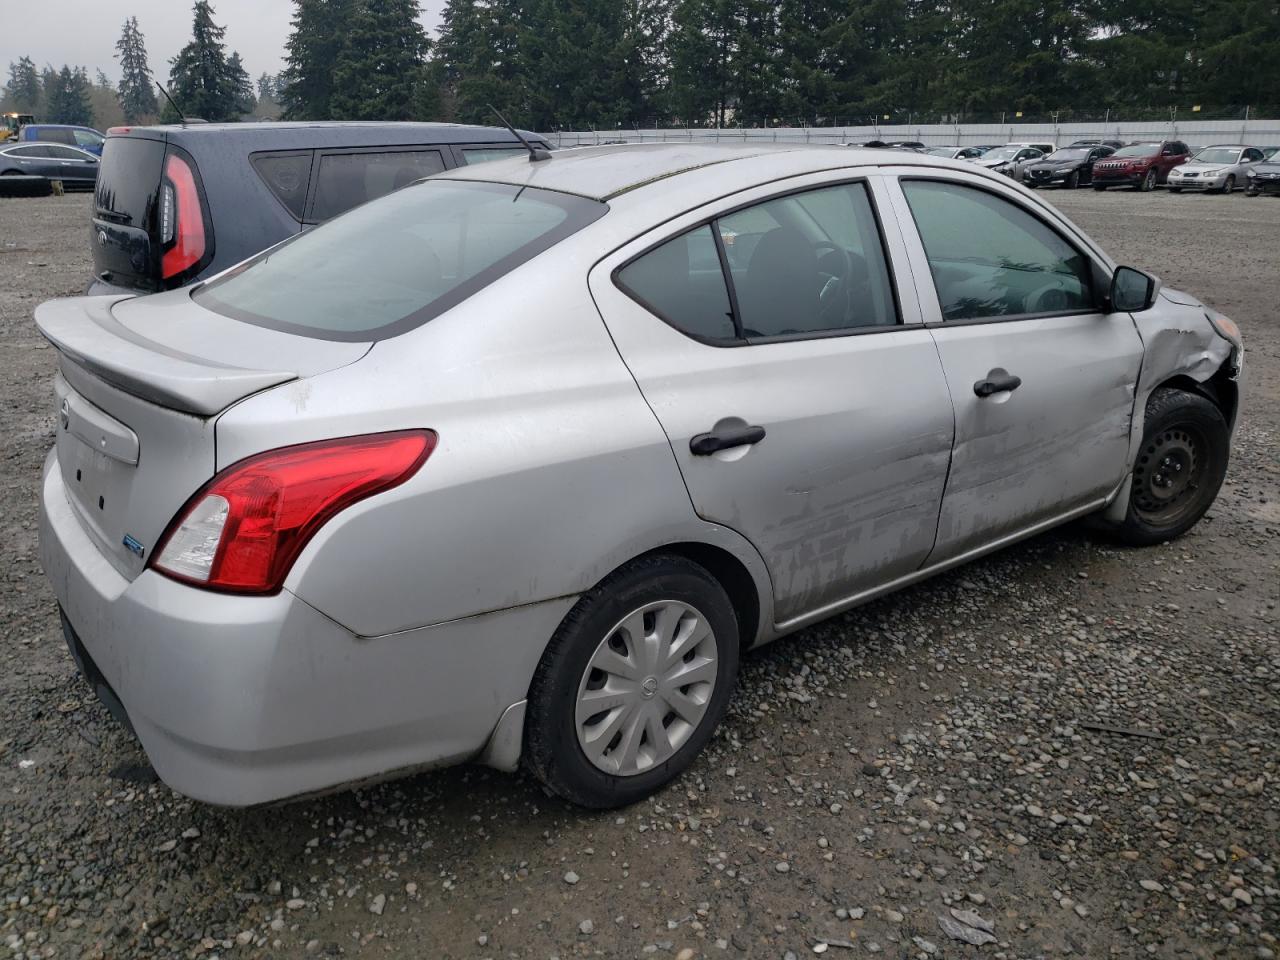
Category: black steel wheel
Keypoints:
(1179, 468)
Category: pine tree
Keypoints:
(381, 72)
(240, 84)
(199, 79)
(137, 92)
(24, 86)
(478, 54)
(266, 87)
(305, 88)
(68, 97)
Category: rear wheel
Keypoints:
(633, 683)
(1179, 470)
(1149, 181)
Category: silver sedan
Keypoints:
(514, 464)
(1220, 168)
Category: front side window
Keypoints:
(346, 180)
(398, 261)
(88, 138)
(67, 153)
(991, 258)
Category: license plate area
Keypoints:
(98, 458)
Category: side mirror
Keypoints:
(1133, 291)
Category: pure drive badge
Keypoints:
(133, 546)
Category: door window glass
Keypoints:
(346, 180)
(485, 154)
(808, 263)
(87, 138)
(66, 153)
(31, 152)
(990, 258)
(681, 281)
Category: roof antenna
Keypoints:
(170, 99)
(535, 153)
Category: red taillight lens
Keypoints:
(181, 219)
(118, 130)
(244, 530)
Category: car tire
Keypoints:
(1149, 181)
(1229, 185)
(1073, 181)
(593, 649)
(1179, 470)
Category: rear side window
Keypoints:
(287, 175)
(346, 180)
(397, 262)
(809, 263)
(681, 281)
(991, 258)
(55, 135)
(129, 180)
(472, 155)
(87, 138)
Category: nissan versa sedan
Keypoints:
(513, 464)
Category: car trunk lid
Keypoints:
(139, 388)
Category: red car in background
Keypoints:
(1140, 165)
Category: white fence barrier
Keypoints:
(1262, 133)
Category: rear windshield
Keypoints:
(398, 261)
(129, 181)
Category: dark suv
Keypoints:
(175, 204)
(1140, 165)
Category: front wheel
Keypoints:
(1073, 181)
(1179, 470)
(1230, 185)
(633, 684)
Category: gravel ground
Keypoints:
(927, 755)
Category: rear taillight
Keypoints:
(244, 530)
(117, 131)
(182, 235)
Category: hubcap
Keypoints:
(646, 688)
(1167, 475)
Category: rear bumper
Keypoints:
(245, 700)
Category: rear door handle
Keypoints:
(723, 438)
(998, 380)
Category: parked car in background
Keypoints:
(178, 203)
(76, 168)
(1264, 177)
(1141, 165)
(1269, 153)
(984, 147)
(86, 138)
(1069, 167)
(955, 153)
(1222, 167)
(514, 464)
(1043, 146)
(906, 144)
(1009, 160)
(1114, 144)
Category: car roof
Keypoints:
(63, 126)
(301, 134)
(604, 172)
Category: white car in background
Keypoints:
(1222, 167)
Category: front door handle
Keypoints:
(998, 380)
(725, 437)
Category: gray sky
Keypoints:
(84, 32)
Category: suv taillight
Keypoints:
(182, 230)
(242, 532)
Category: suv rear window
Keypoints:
(396, 262)
(346, 180)
(129, 181)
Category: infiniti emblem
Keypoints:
(64, 414)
